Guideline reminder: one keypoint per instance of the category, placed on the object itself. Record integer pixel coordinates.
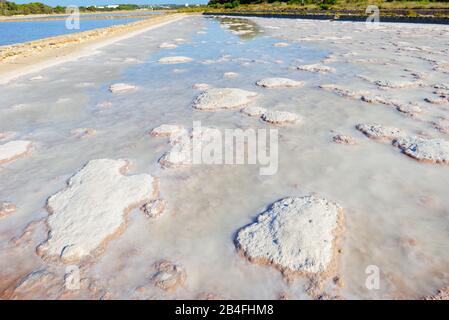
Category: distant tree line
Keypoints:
(10, 8)
(229, 4)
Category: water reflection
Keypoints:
(244, 28)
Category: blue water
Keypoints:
(16, 32)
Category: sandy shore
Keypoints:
(24, 58)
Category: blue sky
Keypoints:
(99, 2)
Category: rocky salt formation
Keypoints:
(442, 294)
(13, 150)
(442, 96)
(343, 139)
(343, 92)
(92, 208)
(442, 86)
(253, 111)
(279, 83)
(26, 236)
(379, 132)
(365, 96)
(174, 60)
(167, 130)
(154, 208)
(425, 150)
(222, 98)
(397, 85)
(280, 117)
(387, 84)
(316, 68)
(168, 276)
(167, 45)
(122, 88)
(297, 235)
(41, 283)
(441, 125)
(409, 109)
(375, 99)
(6, 208)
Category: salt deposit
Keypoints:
(100, 194)
(13, 150)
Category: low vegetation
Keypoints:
(310, 6)
(10, 8)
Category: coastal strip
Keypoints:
(28, 57)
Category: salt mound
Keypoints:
(122, 87)
(377, 131)
(409, 109)
(442, 86)
(35, 78)
(343, 139)
(375, 99)
(104, 104)
(14, 149)
(166, 130)
(173, 60)
(442, 125)
(167, 45)
(168, 276)
(443, 97)
(296, 235)
(84, 132)
(7, 135)
(343, 92)
(222, 98)
(253, 111)
(426, 150)
(132, 60)
(182, 147)
(200, 86)
(230, 74)
(317, 68)
(397, 85)
(154, 208)
(91, 209)
(279, 83)
(6, 208)
(436, 100)
(280, 117)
